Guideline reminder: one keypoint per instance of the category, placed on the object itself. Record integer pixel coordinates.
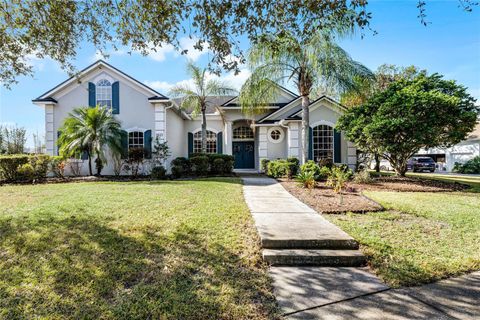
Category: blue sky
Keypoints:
(449, 45)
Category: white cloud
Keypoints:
(99, 56)
(161, 86)
(192, 53)
(159, 53)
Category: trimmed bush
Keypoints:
(470, 167)
(25, 172)
(362, 177)
(158, 173)
(264, 165)
(180, 167)
(218, 166)
(293, 167)
(277, 168)
(200, 165)
(324, 173)
(310, 166)
(9, 165)
(57, 166)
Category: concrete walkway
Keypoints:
(324, 288)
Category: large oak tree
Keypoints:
(57, 28)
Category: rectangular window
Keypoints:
(135, 139)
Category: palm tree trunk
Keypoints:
(305, 127)
(89, 163)
(204, 130)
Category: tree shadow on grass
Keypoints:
(79, 267)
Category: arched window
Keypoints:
(211, 142)
(104, 93)
(322, 142)
(243, 133)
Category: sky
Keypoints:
(449, 45)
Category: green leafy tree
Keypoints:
(90, 130)
(317, 61)
(195, 98)
(366, 88)
(144, 26)
(425, 112)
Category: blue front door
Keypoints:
(244, 153)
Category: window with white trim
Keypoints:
(104, 93)
(322, 142)
(275, 135)
(243, 133)
(211, 142)
(135, 139)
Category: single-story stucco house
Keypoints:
(461, 152)
(145, 113)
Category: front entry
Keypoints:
(244, 153)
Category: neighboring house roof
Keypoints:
(98, 64)
(475, 134)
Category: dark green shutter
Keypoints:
(220, 142)
(84, 155)
(58, 147)
(310, 143)
(190, 143)
(337, 146)
(124, 144)
(147, 143)
(116, 97)
(92, 99)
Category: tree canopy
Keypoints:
(423, 112)
(56, 29)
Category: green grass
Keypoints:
(422, 237)
(139, 250)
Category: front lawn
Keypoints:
(137, 250)
(422, 237)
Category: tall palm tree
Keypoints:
(312, 63)
(196, 98)
(88, 130)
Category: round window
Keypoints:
(275, 135)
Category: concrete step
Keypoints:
(324, 258)
(319, 244)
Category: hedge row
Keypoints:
(281, 167)
(202, 165)
(472, 166)
(23, 167)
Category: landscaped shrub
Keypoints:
(12, 167)
(362, 177)
(264, 165)
(227, 164)
(324, 173)
(311, 166)
(25, 172)
(180, 167)
(57, 166)
(9, 165)
(293, 167)
(218, 166)
(136, 157)
(277, 168)
(338, 180)
(325, 163)
(470, 167)
(200, 165)
(158, 173)
(306, 179)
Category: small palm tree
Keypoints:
(314, 63)
(88, 130)
(195, 98)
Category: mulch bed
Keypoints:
(409, 185)
(325, 200)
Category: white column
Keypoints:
(160, 122)
(228, 137)
(293, 140)
(351, 155)
(50, 134)
(262, 146)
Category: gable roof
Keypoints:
(97, 64)
(324, 97)
(212, 102)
